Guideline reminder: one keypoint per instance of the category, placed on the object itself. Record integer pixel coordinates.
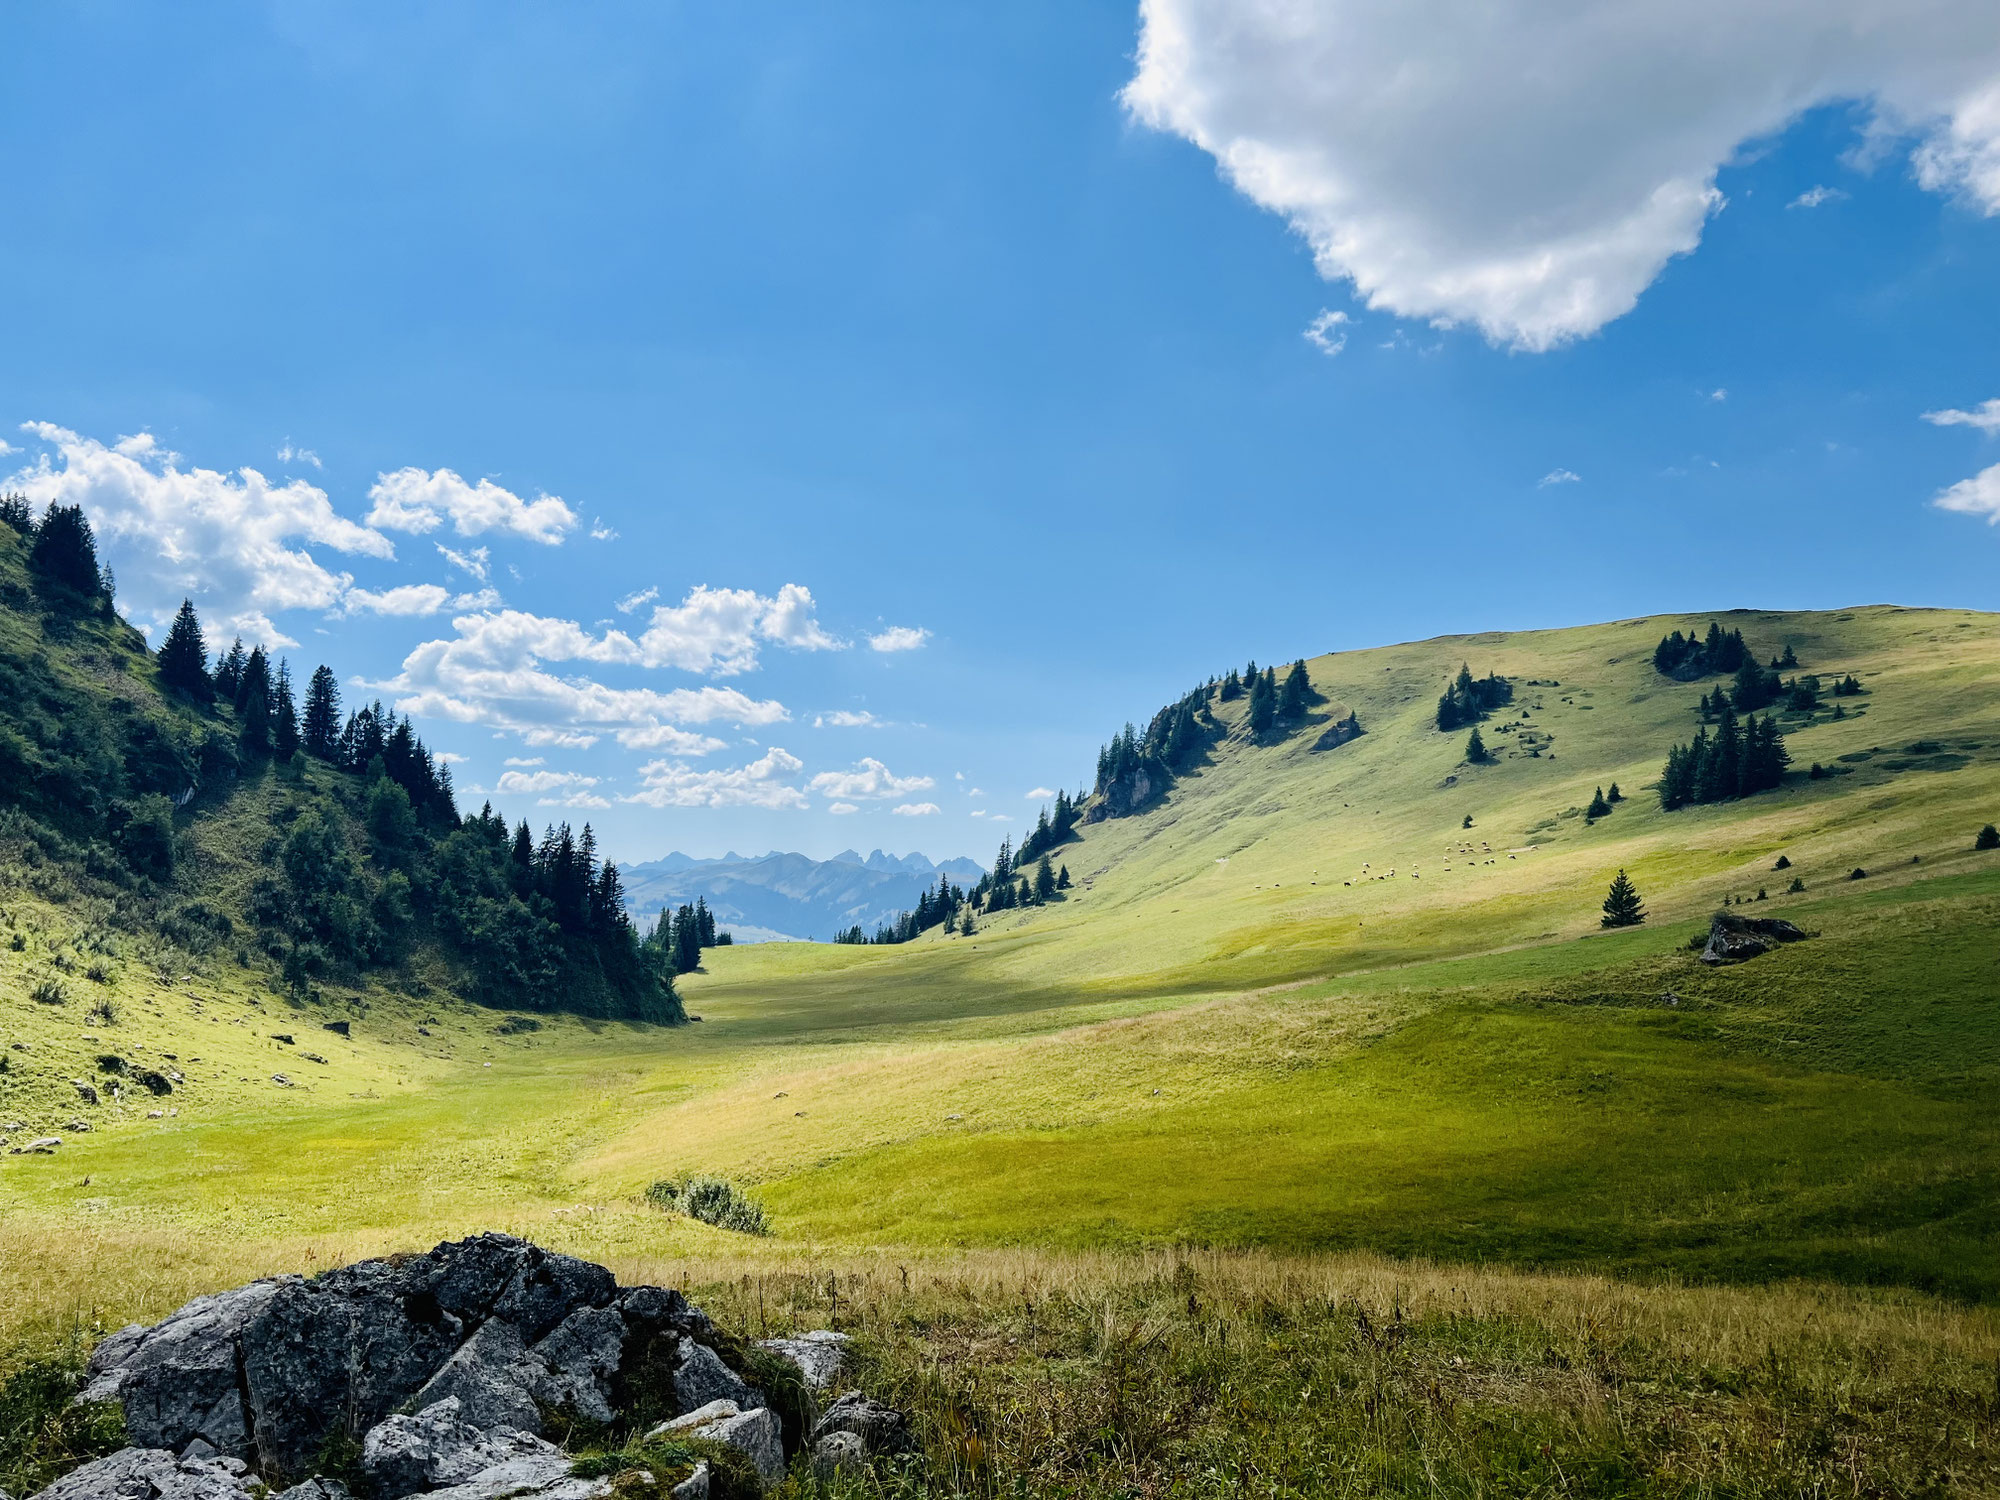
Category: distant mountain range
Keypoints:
(788, 897)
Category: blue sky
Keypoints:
(904, 307)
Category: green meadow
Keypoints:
(1292, 1020)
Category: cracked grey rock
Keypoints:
(694, 1487)
(881, 1429)
(820, 1355)
(837, 1453)
(154, 1474)
(700, 1377)
(437, 1447)
(757, 1434)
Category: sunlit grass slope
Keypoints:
(1241, 1029)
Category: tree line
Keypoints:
(1733, 762)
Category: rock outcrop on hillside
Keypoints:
(1732, 939)
(440, 1375)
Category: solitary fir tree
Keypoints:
(1475, 748)
(1614, 795)
(183, 657)
(1989, 838)
(1622, 907)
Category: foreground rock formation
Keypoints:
(445, 1375)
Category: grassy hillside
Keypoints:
(1240, 1031)
(1276, 1049)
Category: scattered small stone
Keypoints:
(282, 1036)
(338, 1028)
(77, 1127)
(312, 1057)
(45, 1146)
(84, 1091)
(281, 1080)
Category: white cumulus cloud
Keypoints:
(667, 737)
(720, 631)
(1977, 496)
(869, 780)
(1985, 417)
(235, 542)
(916, 809)
(847, 718)
(764, 782)
(493, 671)
(1530, 168)
(422, 500)
(842, 809)
(899, 638)
(1040, 794)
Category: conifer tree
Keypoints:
(1296, 695)
(229, 670)
(1475, 748)
(1989, 838)
(1622, 907)
(1263, 705)
(253, 704)
(1598, 808)
(64, 551)
(1062, 877)
(284, 716)
(321, 728)
(1045, 881)
(183, 656)
(1614, 795)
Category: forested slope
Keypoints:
(163, 803)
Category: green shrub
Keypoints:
(713, 1201)
(48, 992)
(1989, 838)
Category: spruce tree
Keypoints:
(183, 657)
(1045, 881)
(1475, 748)
(1295, 696)
(64, 551)
(1598, 808)
(321, 729)
(229, 670)
(1614, 795)
(1989, 838)
(284, 716)
(1062, 876)
(253, 704)
(1263, 705)
(1622, 907)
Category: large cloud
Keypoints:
(231, 541)
(764, 782)
(1977, 496)
(1530, 167)
(423, 500)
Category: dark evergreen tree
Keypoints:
(1296, 694)
(14, 512)
(1232, 687)
(229, 670)
(320, 731)
(1622, 907)
(253, 704)
(1062, 878)
(1263, 706)
(1475, 748)
(1598, 808)
(1045, 881)
(1988, 838)
(63, 553)
(284, 715)
(183, 656)
(1467, 699)
(1614, 795)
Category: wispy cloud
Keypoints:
(1328, 332)
(639, 600)
(847, 718)
(842, 809)
(1985, 417)
(289, 454)
(1813, 197)
(916, 809)
(477, 561)
(1558, 476)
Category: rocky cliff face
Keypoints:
(445, 1371)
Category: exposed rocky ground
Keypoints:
(487, 1368)
(1733, 939)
